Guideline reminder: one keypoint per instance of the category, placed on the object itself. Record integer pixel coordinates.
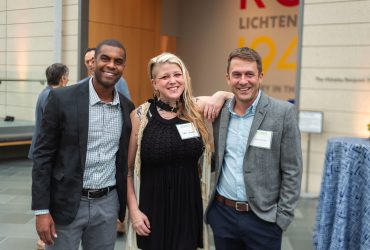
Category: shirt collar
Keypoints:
(94, 98)
(250, 111)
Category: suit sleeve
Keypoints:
(291, 169)
(45, 153)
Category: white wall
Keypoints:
(27, 48)
(336, 45)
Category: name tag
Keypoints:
(187, 131)
(262, 139)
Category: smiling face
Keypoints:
(109, 65)
(244, 80)
(168, 80)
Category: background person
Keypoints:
(89, 61)
(168, 137)
(80, 160)
(258, 161)
(122, 87)
(56, 76)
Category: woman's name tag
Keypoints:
(187, 130)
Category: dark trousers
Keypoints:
(242, 230)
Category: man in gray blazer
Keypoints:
(258, 162)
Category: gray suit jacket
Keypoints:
(272, 176)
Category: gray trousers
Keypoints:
(94, 226)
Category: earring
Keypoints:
(156, 93)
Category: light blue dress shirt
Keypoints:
(121, 86)
(231, 183)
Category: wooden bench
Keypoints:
(12, 134)
(15, 143)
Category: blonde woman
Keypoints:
(168, 138)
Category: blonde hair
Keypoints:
(190, 111)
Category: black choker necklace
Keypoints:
(165, 106)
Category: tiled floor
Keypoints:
(17, 223)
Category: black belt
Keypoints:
(240, 206)
(96, 193)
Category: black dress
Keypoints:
(170, 192)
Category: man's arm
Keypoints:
(291, 169)
(44, 158)
(44, 154)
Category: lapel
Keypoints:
(261, 111)
(83, 118)
(222, 132)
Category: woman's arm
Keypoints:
(139, 220)
(211, 105)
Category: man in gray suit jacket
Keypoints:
(258, 162)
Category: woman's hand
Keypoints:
(212, 108)
(212, 105)
(140, 223)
